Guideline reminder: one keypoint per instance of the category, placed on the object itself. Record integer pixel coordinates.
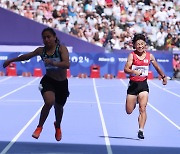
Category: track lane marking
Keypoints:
(108, 145)
(4, 151)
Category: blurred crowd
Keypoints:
(108, 23)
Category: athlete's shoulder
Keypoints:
(152, 58)
(38, 50)
(132, 52)
(147, 52)
(63, 48)
(130, 56)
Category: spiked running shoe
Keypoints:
(37, 132)
(58, 134)
(140, 135)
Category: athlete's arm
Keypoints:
(128, 65)
(23, 57)
(158, 69)
(64, 63)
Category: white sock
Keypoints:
(141, 129)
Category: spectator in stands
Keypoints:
(89, 34)
(100, 6)
(81, 18)
(71, 12)
(169, 42)
(177, 27)
(115, 41)
(88, 8)
(176, 66)
(54, 84)
(56, 14)
(92, 20)
(75, 30)
(176, 40)
(163, 14)
(48, 12)
(161, 35)
(147, 15)
(28, 13)
(130, 18)
(67, 27)
(64, 14)
(97, 40)
(79, 8)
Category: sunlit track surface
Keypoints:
(94, 122)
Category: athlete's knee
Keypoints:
(49, 102)
(61, 102)
(128, 111)
(48, 105)
(58, 106)
(142, 109)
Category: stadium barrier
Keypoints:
(108, 63)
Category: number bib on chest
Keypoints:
(143, 69)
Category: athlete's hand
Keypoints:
(48, 61)
(137, 72)
(6, 63)
(164, 81)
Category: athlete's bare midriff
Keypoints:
(59, 74)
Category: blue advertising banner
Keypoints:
(81, 62)
(113, 62)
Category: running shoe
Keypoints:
(58, 134)
(140, 135)
(37, 132)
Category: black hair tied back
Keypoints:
(51, 30)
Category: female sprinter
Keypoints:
(54, 84)
(137, 66)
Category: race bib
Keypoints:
(143, 69)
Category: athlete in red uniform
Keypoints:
(137, 66)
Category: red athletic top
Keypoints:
(141, 65)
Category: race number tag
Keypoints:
(143, 69)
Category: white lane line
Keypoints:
(164, 89)
(7, 78)
(177, 81)
(163, 115)
(124, 83)
(108, 146)
(178, 127)
(19, 88)
(23, 129)
(21, 100)
(20, 132)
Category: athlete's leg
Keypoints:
(130, 103)
(59, 111)
(142, 99)
(49, 99)
(58, 106)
